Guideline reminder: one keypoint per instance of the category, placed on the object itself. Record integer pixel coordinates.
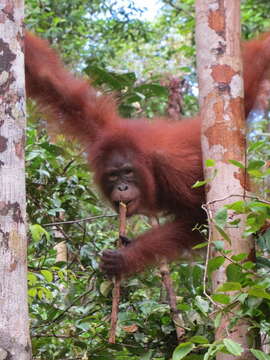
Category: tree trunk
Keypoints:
(223, 136)
(14, 327)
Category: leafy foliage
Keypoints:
(70, 301)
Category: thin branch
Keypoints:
(58, 317)
(73, 160)
(168, 285)
(175, 7)
(237, 195)
(209, 220)
(117, 280)
(91, 218)
(242, 267)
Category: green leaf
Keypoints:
(47, 293)
(200, 246)
(223, 233)
(260, 355)
(249, 265)
(263, 262)
(40, 293)
(221, 217)
(234, 273)
(239, 257)
(233, 347)
(114, 80)
(237, 163)
(183, 307)
(199, 184)
(235, 222)
(182, 350)
(215, 263)
(199, 340)
(152, 90)
(258, 206)
(256, 173)
(217, 320)
(255, 164)
(47, 275)
(221, 298)
(212, 350)
(202, 304)
(32, 292)
(33, 154)
(219, 245)
(258, 292)
(37, 232)
(229, 286)
(106, 287)
(242, 298)
(85, 326)
(32, 278)
(256, 145)
(148, 355)
(210, 163)
(238, 206)
(185, 69)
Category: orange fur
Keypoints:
(167, 155)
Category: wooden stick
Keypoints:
(167, 283)
(176, 316)
(117, 280)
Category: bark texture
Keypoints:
(223, 130)
(14, 327)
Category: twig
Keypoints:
(238, 195)
(242, 267)
(209, 220)
(167, 283)
(177, 8)
(72, 161)
(206, 208)
(91, 218)
(59, 316)
(117, 280)
(176, 316)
